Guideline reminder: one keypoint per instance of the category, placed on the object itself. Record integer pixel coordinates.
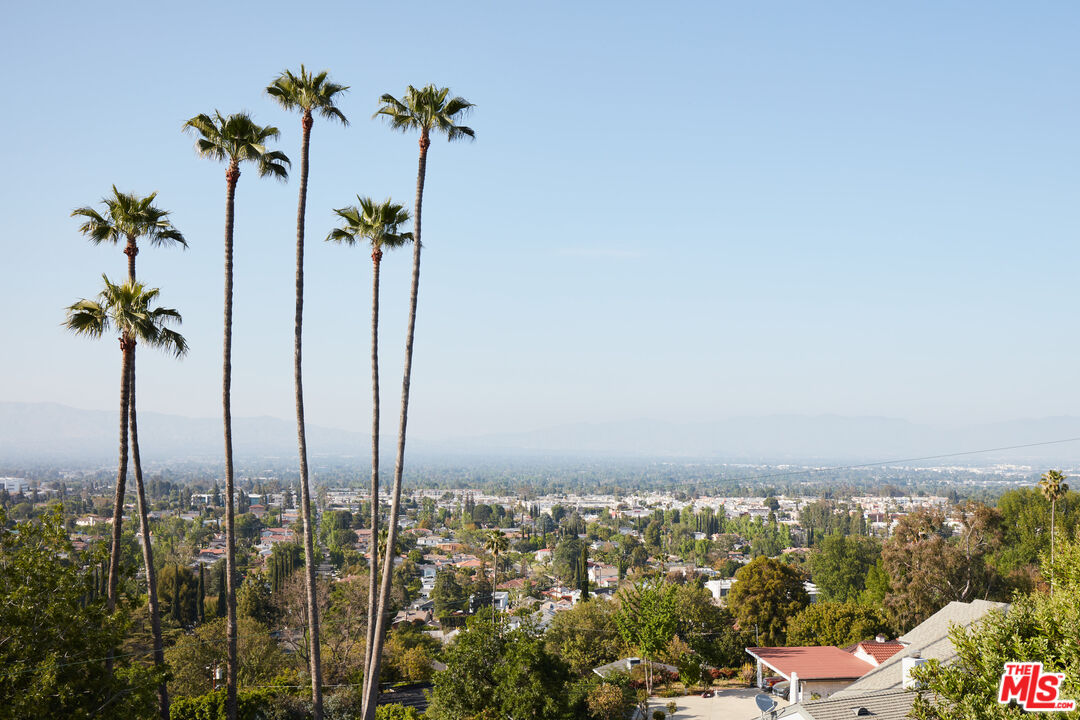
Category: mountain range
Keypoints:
(34, 432)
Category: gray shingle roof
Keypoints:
(892, 705)
(930, 640)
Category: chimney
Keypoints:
(908, 664)
(879, 638)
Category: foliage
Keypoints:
(503, 673)
(839, 568)
(608, 701)
(260, 704)
(586, 636)
(448, 595)
(929, 567)
(54, 639)
(767, 594)
(260, 659)
(1036, 628)
(393, 711)
(835, 623)
(646, 616)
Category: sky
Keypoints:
(676, 211)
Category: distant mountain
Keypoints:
(48, 431)
(39, 431)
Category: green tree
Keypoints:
(766, 595)
(836, 623)
(56, 632)
(379, 224)
(234, 140)
(608, 701)
(929, 566)
(1037, 627)
(427, 110)
(448, 595)
(840, 566)
(503, 674)
(646, 618)
(129, 310)
(309, 93)
(1054, 488)
(259, 657)
(585, 636)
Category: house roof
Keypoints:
(929, 640)
(880, 651)
(812, 663)
(892, 705)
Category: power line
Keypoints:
(906, 460)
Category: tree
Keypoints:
(566, 560)
(448, 595)
(379, 224)
(1054, 488)
(766, 595)
(308, 93)
(496, 544)
(56, 632)
(1037, 627)
(929, 567)
(585, 636)
(839, 568)
(234, 139)
(128, 309)
(608, 701)
(259, 657)
(427, 110)
(502, 673)
(835, 623)
(646, 618)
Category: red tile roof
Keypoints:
(812, 663)
(880, 651)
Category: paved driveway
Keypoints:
(731, 704)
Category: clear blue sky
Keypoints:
(672, 210)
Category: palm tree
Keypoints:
(496, 544)
(127, 309)
(306, 92)
(233, 139)
(378, 223)
(428, 110)
(1054, 488)
(128, 217)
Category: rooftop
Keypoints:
(812, 663)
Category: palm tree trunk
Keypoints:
(1053, 513)
(373, 580)
(148, 553)
(121, 475)
(371, 678)
(301, 434)
(232, 175)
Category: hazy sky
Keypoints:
(672, 210)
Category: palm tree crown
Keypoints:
(425, 110)
(128, 217)
(1053, 485)
(236, 139)
(128, 309)
(374, 221)
(309, 92)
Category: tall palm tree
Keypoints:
(429, 109)
(128, 217)
(496, 544)
(233, 139)
(307, 93)
(1054, 488)
(378, 223)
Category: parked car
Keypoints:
(781, 688)
(768, 682)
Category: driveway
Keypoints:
(730, 704)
